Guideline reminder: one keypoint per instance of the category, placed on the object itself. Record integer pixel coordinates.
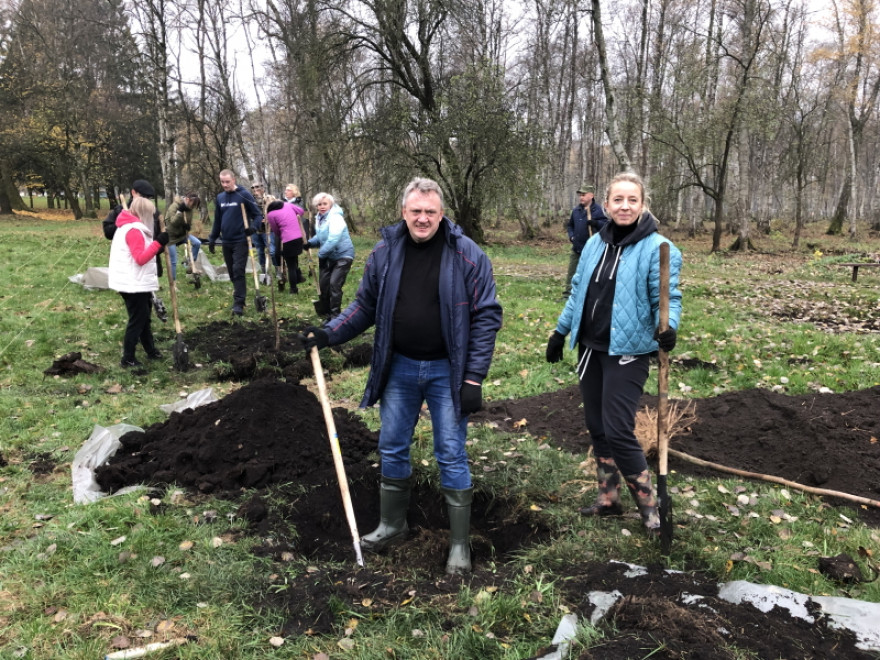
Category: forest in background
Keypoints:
(737, 112)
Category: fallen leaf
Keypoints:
(120, 642)
(722, 489)
(114, 389)
(118, 540)
(276, 641)
(217, 542)
(157, 561)
(346, 644)
(186, 545)
(164, 626)
(60, 615)
(521, 423)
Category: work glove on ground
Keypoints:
(162, 239)
(212, 247)
(554, 347)
(314, 336)
(666, 339)
(250, 231)
(471, 398)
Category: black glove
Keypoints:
(263, 227)
(250, 231)
(471, 398)
(554, 347)
(666, 339)
(162, 239)
(212, 247)
(314, 336)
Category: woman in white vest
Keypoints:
(133, 274)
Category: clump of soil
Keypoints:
(71, 364)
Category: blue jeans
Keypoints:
(172, 253)
(260, 243)
(410, 382)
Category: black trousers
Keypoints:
(611, 386)
(140, 310)
(332, 278)
(291, 251)
(235, 256)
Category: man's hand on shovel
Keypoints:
(314, 337)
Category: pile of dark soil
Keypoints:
(268, 432)
(822, 440)
(244, 350)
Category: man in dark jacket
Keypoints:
(233, 229)
(430, 292)
(587, 218)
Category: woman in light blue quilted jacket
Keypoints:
(612, 315)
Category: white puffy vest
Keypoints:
(124, 273)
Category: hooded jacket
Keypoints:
(132, 266)
(284, 222)
(470, 314)
(228, 223)
(630, 307)
(580, 223)
(331, 236)
(178, 221)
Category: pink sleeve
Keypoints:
(141, 252)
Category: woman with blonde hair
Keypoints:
(134, 275)
(613, 315)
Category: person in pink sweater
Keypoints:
(284, 223)
(134, 275)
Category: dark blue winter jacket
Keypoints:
(228, 223)
(470, 315)
(580, 224)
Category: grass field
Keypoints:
(68, 585)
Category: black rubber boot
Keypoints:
(642, 490)
(608, 500)
(393, 507)
(458, 505)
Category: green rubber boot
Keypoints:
(458, 505)
(393, 507)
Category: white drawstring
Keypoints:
(582, 365)
(616, 261)
(599, 269)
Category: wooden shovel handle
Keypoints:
(663, 367)
(171, 287)
(337, 453)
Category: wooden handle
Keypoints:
(250, 250)
(337, 453)
(663, 368)
(170, 281)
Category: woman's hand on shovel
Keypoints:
(314, 336)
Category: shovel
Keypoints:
(664, 504)
(259, 301)
(193, 266)
(322, 308)
(337, 454)
(180, 350)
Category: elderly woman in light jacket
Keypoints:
(335, 250)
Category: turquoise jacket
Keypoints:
(331, 236)
(635, 309)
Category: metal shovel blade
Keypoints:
(181, 354)
(260, 303)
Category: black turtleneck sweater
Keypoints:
(416, 331)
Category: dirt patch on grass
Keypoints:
(268, 438)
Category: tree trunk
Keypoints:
(611, 126)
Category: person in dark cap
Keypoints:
(140, 188)
(587, 218)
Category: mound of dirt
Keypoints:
(268, 432)
(822, 440)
